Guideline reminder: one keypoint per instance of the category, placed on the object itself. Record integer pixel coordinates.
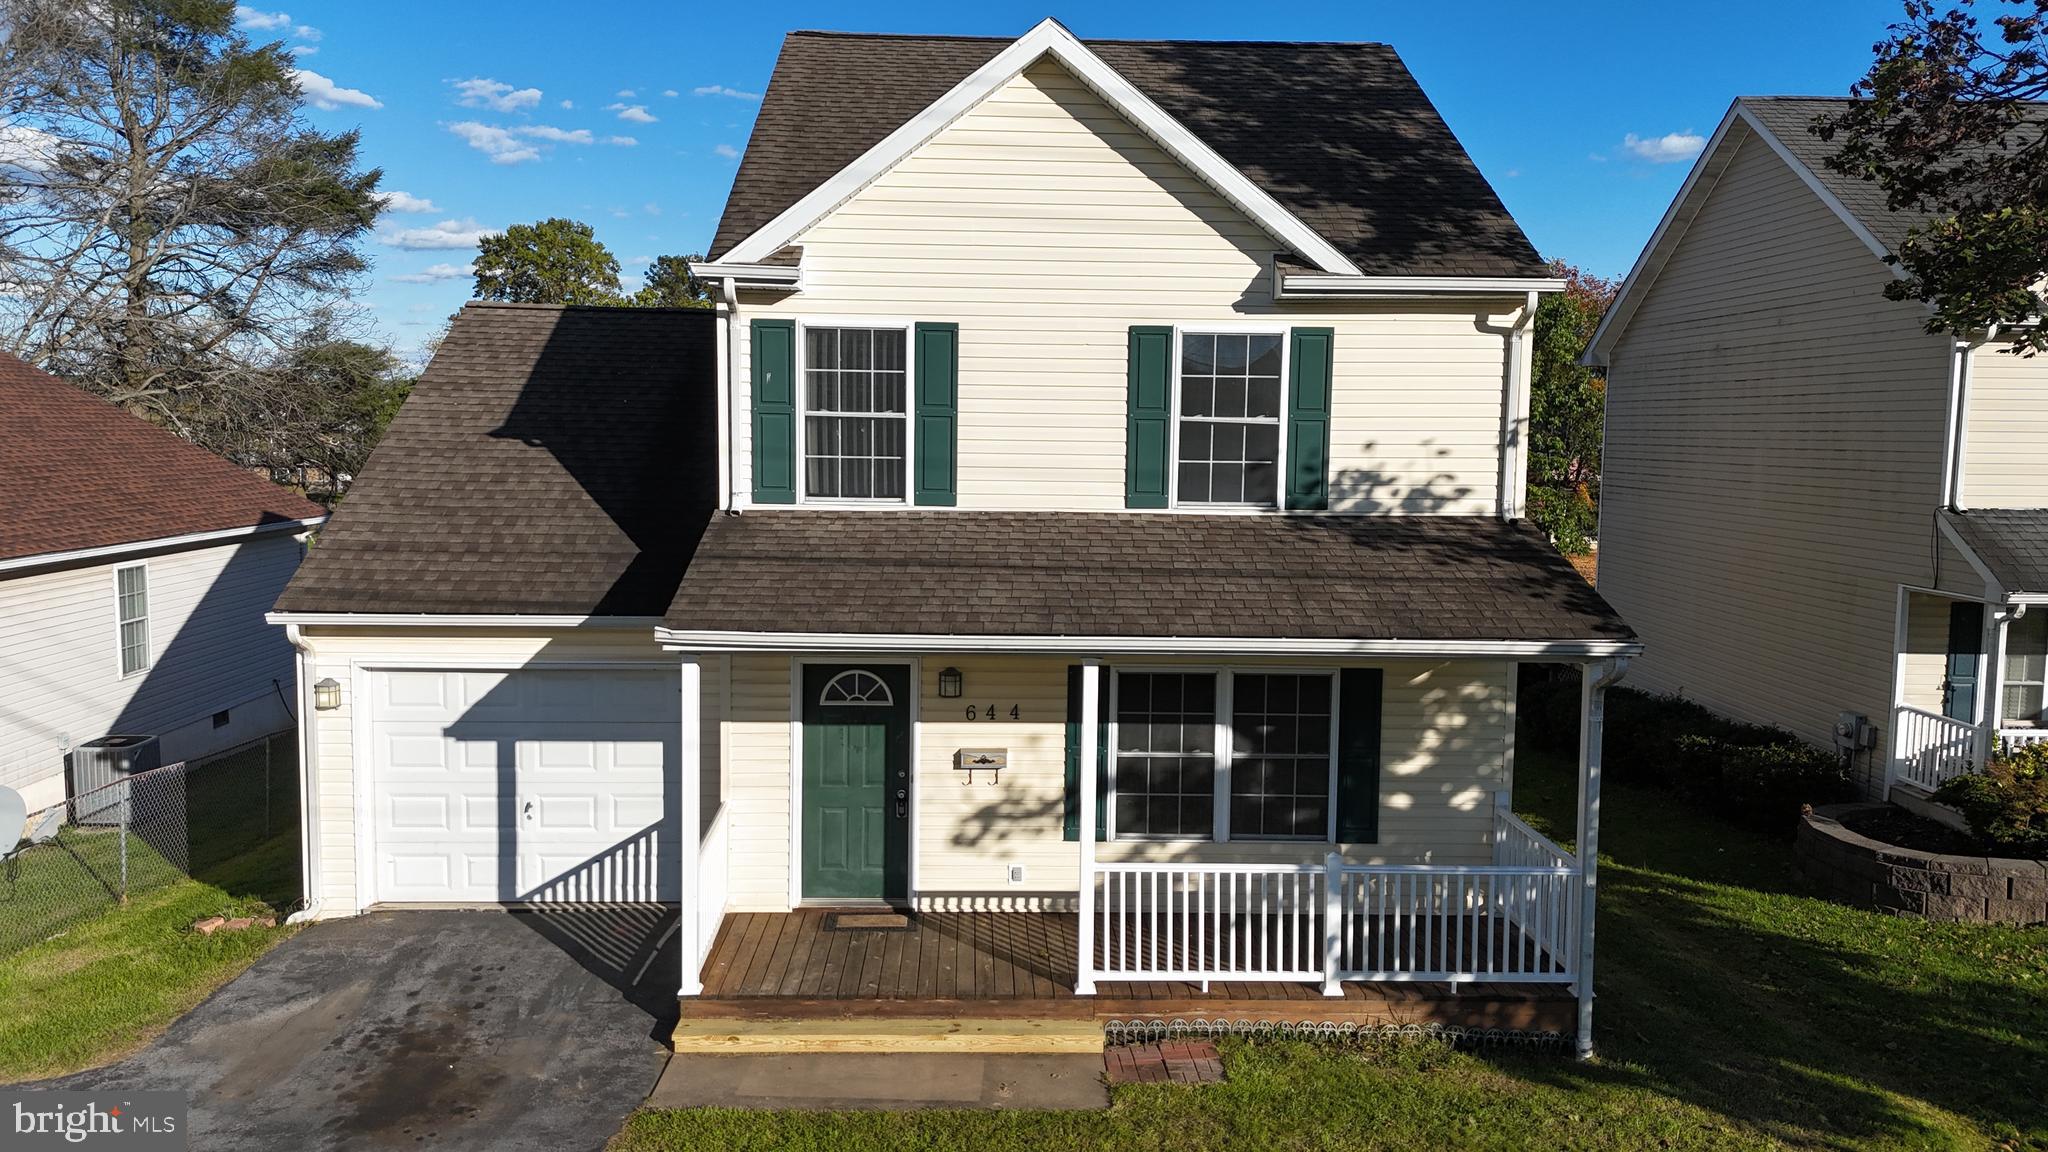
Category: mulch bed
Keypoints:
(1894, 825)
(1174, 1062)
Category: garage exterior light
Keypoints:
(951, 683)
(327, 695)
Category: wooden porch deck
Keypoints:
(804, 964)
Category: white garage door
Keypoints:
(537, 785)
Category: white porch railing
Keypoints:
(712, 885)
(1515, 843)
(1930, 748)
(1335, 922)
(2021, 737)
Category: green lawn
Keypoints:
(114, 979)
(1733, 1012)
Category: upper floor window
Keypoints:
(2026, 668)
(1228, 429)
(856, 443)
(131, 610)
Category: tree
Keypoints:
(670, 285)
(168, 223)
(1943, 124)
(1566, 402)
(552, 261)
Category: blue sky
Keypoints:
(631, 115)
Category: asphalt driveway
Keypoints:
(448, 1030)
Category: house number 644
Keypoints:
(988, 712)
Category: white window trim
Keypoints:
(1225, 754)
(148, 654)
(909, 328)
(1228, 328)
(2006, 681)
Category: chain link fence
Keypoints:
(106, 847)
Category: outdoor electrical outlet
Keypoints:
(1016, 873)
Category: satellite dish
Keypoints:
(13, 820)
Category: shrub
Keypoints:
(2007, 803)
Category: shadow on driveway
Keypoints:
(428, 1029)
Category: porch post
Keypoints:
(1991, 682)
(1593, 681)
(1091, 707)
(690, 756)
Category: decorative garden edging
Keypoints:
(1870, 873)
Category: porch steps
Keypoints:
(749, 1033)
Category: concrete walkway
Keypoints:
(883, 1082)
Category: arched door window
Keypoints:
(855, 686)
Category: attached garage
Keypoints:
(531, 785)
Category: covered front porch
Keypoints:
(1968, 681)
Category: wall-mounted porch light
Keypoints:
(327, 695)
(950, 683)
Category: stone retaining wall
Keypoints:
(1872, 874)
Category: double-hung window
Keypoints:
(131, 611)
(2026, 669)
(856, 441)
(1223, 754)
(1228, 423)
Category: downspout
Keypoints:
(724, 405)
(309, 832)
(1595, 679)
(1514, 440)
(738, 496)
(1956, 447)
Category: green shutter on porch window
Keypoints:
(1146, 441)
(1358, 755)
(938, 414)
(774, 388)
(1308, 418)
(1070, 825)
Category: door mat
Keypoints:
(868, 921)
(1172, 1062)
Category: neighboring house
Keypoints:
(1146, 413)
(135, 569)
(1809, 505)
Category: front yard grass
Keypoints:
(115, 979)
(1734, 1011)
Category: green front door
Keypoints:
(856, 802)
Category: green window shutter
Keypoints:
(1147, 440)
(938, 414)
(1308, 418)
(774, 361)
(1358, 755)
(1070, 824)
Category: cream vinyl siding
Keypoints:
(1773, 460)
(1046, 226)
(60, 661)
(1444, 751)
(346, 656)
(2008, 430)
(1926, 654)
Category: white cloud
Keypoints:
(625, 93)
(637, 113)
(568, 104)
(622, 141)
(556, 135)
(478, 92)
(1667, 149)
(727, 151)
(306, 32)
(501, 146)
(670, 92)
(25, 149)
(651, 208)
(722, 90)
(298, 50)
(435, 273)
(255, 21)
(405, 202)
(326, 94)
(639, 261)
(462, 233)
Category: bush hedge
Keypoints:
(2007, 803)
(1749, 772)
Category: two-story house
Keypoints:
(1818, 514)
(1089, 523)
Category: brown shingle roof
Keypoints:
(1136, 575)
(1340, 134)
(2012, 542)
(77, 472)
(550, 461)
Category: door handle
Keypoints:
(527, 811)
